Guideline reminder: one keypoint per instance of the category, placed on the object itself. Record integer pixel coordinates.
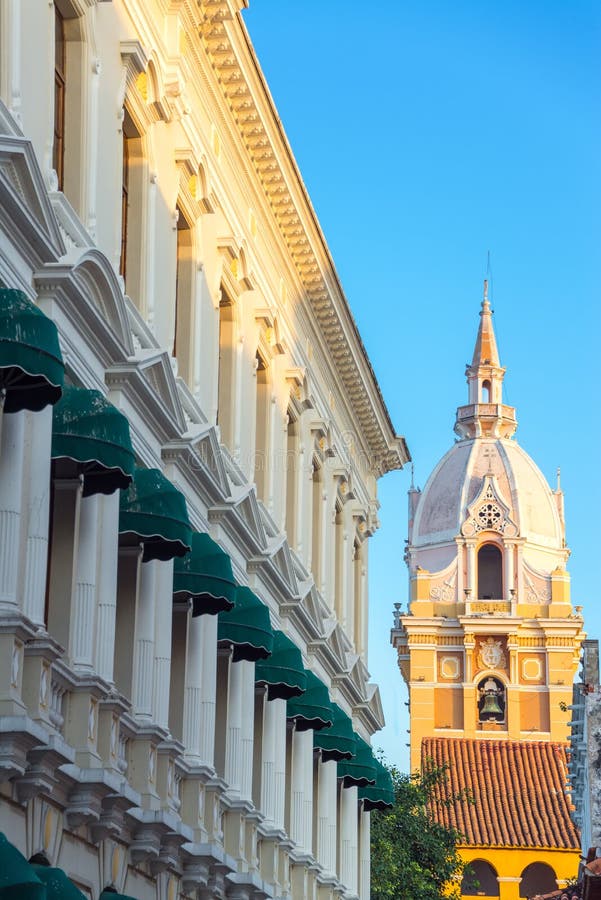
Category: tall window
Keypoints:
(226, 375)
(132, 187)
(184, 325)
(316, 522)
(58, 148)
(124, 206)
(490, 572)
(358, 597)
(261, 476)
(339, 565)
(292, 462)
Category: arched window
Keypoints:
(537, 878)
(492, 700)
(480, 880)
(490, 572)
(486, 392)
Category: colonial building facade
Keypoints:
(191, 440)
(490, 644)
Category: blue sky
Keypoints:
(427, 134)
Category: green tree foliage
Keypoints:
(412, 857)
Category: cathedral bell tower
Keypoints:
(490, 642)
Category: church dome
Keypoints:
(456, 482)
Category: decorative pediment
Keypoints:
(283, 563)
(201, 455)
(370, 711)
(97, 278)
(276, 565)
(353, 680)
(25, 206)
(244, 507)
(149, 378)
(207, 449)
(333, 650)
(489, 512)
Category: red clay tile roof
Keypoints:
(517, 788)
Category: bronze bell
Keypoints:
(491, 707)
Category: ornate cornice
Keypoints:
(240, 78)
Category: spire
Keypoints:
(485, 415)
(485, 351)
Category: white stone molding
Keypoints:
(12, 440)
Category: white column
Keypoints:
(326, 815)
(308, 793)
(348, 838)
(472, 579)
(11, 501)
(144, 641)
(233, 732)
(364, 855)
(83, 609)
(247, 728)
(520, 574)
(509, 570)
(108, 540)
(162, 643)
(39, 436)
(208, 688)
(279, 775)
(193, 691)
(268, 753)
(302, 754)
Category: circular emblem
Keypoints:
(490, 516)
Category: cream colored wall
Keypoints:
(240, 224)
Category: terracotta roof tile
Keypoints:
(517, 788)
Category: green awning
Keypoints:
(205, 576)
(312, 710)
(361, 770)
(58, 885)
(153, 512)
(93, 435)
(18, 880)
(337, 742)
(247, 626)
(31, 364)
(283, 673)
(379, 796)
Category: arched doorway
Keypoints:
(480, 880)
(537, 878)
